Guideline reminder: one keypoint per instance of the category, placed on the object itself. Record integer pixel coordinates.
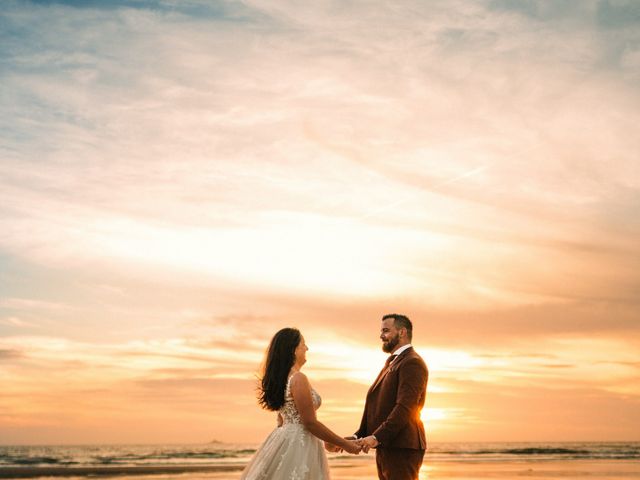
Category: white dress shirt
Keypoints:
(401, 349)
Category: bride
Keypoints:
(294, 450)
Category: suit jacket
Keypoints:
(394, 401)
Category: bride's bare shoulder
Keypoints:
(299, 378)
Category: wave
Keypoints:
(30, 460)
(538, 451)
(173, 455)
(123, 459)
(132, 458)
(613, 452)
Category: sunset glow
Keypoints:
(179, 180)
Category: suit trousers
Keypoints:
(398, 463)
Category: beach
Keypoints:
(457, 461)
(365, 470)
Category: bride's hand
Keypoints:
(353, 447)
(330, 447)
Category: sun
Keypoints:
(432, 415)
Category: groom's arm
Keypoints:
(412, 382)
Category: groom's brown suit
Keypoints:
(392, 414)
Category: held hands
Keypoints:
(367, 442)
(352, 446)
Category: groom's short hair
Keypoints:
(401, 321)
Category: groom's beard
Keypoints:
(391, 344)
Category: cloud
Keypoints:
(567, 412)
(139, 383)
(10, 354)
(32, 304)
(16, 322)
(180, 180)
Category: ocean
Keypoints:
(220, 460)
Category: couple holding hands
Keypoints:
(390, 423)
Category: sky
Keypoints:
(181, 179)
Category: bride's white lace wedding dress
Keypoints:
(290, 452)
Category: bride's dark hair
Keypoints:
(281, 356)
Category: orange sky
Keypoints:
(177, 183)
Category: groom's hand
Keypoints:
(368, 442)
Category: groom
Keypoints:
(391, 420)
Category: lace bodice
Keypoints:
(289, 411)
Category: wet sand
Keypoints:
(141, 472)
(358, 469)
(566, 470)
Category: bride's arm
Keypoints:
(301, 392)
